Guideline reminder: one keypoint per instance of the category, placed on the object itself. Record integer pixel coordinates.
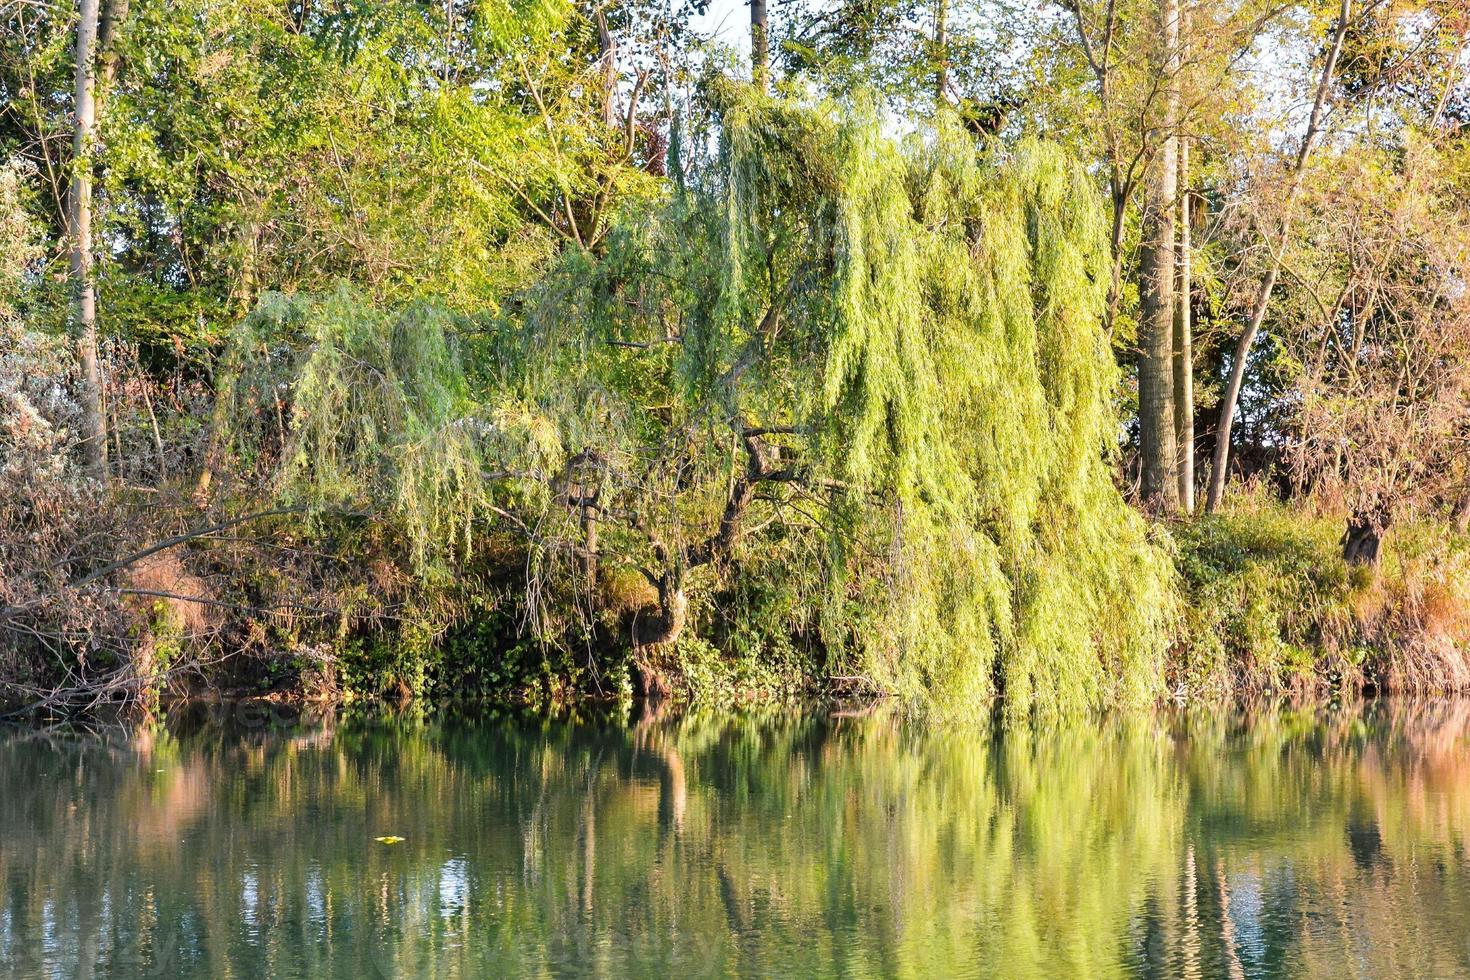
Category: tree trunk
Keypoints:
(114, 15)
(1361, 541)
(1231, 398)
(589, 542)
(1218, 470)
(941, 51)
(1157, 443)
(79, 206)
(649, 683)
(760, 45)
(655, 626)
(663, 623)
(607, 57)
(1120, 187)
(1115, 259)
(1184, 343)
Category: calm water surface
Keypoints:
(1325, 843)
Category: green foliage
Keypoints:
(380, 667)
(1267, 589)
(377, 413)
(342, 145)
(918, 324)
(935, 351)
(487, 657)
(18, 245)
(716, 677)
(249, 147)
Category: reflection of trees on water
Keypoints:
(1185, 845)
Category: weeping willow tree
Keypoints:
(885, 364)
(874, 373)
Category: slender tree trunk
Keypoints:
(1157, 443)
(1184, 341)
(79, 204)
(113, 16)
(1115, 258)
(941, 51)
(589, 542)
(607, 56)
(760, 44)
(1120, 188)
(1231, 398)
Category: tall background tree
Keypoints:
(1157, 440)
(1292, 177)
(1183, 327)
(79, 222)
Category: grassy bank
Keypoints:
(1271, 606)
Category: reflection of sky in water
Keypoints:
(454, 886)
(1245, 913)
(48, 918)
(249, 898)
(316, 902)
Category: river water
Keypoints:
(238, 842)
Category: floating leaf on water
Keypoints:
(390, 839)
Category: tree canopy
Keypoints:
(558, 339)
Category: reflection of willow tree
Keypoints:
(1145, 844)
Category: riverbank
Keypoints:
(1270, 606)
(1267, 606)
